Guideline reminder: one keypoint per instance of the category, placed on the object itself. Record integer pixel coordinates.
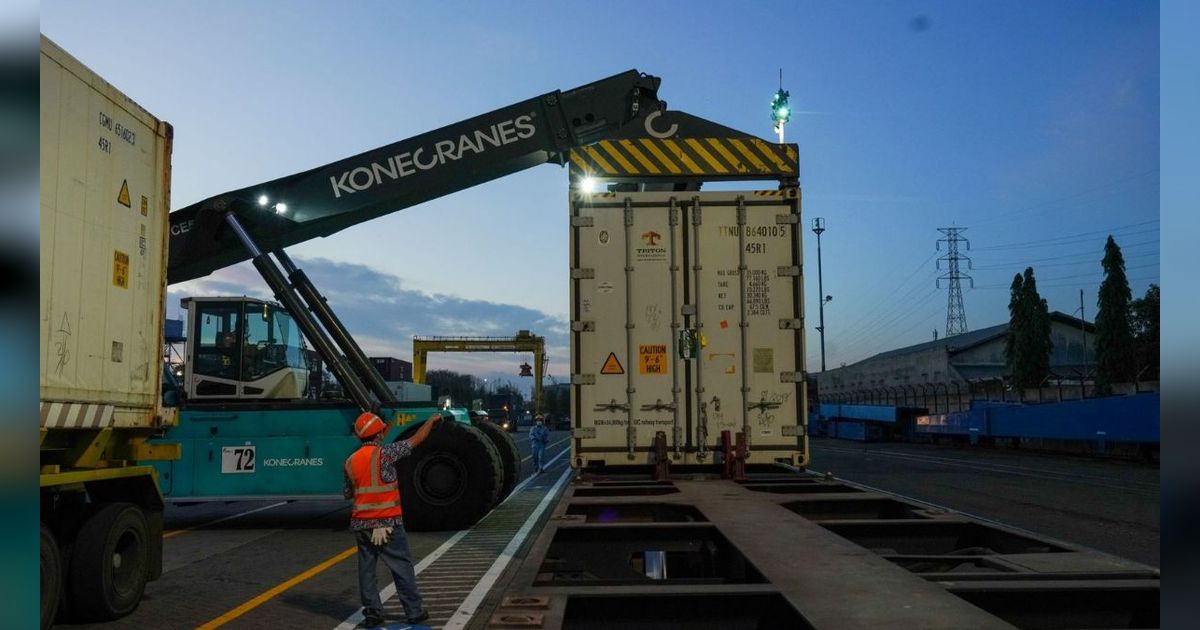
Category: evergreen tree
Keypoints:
(1144, 320)
(1027, 345)
(1013, 359)
(1038, 339)
(1114, 333)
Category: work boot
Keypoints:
(419, 618)
(372, 621)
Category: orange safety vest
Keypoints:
(373, 499)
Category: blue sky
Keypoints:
(1035, 125)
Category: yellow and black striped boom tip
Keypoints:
(698, 158)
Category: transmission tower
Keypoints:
(956, 315)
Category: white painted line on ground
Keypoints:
(389, 591)
(548, 447)
(464, 613)
(177, 532)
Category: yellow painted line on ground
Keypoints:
(270, 593)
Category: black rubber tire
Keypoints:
(109, 563)
(510, 457)
(451, 480)
(52, 577)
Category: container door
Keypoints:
(743, 273)
(625, 313)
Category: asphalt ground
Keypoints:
(267, 564)
(1107, 505)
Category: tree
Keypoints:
(1027, 344)
(1017, 324)
(461, 388)
(1114, 332)
(1143, 314)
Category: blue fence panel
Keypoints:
(1112, 419)
(876, 413)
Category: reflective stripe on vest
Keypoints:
(373, 499)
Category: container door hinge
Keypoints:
(583, 221)
(583, 273)
(790, 324)
(783, 219)
(584, 433)
(586, 325)
(583, 379)
(792, 271)
(791, 377)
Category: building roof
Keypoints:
(971, 339)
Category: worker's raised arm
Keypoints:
(423, 432)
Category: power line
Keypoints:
(1090, 274)
(1008, 216)
(871, 312)
(1089, 256)
(879, 316)
(1069, 238)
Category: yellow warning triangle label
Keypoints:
(612, 365)
(123, 196)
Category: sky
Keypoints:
(1034, 125)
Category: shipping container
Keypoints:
(105, 184)
(687, 319)
(105, 190)
(392, 369)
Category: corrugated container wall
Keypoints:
(105, 189)
(687, 319)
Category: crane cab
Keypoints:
(242, 348)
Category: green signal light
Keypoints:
(781, 112)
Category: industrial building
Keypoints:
(945, 374)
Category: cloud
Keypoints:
(383, 315)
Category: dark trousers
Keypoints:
(396, 557)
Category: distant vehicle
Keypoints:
(502, 409)
(483, 416)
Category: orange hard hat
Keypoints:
(368, 425)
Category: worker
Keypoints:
(538, 436)
(376, 516)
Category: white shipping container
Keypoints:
(687, 319)
(105, 188)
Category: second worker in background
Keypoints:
(538, 436)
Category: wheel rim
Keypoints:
(440, 479)
(126, 571)
(48, 572)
